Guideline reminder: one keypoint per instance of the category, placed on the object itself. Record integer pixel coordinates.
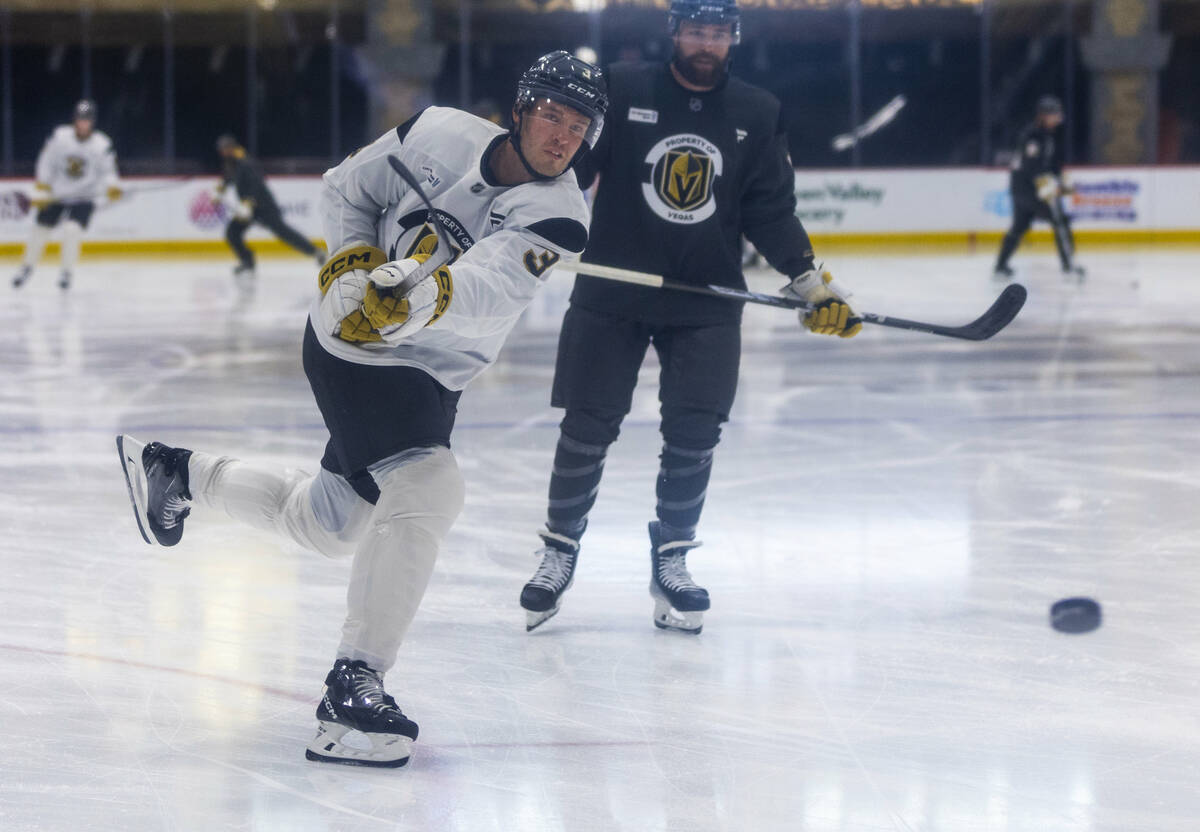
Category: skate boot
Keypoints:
(542, 596)
(157, 478)
(64, 280)
(354, 700)
(1002, 272)
(21, 277)
(679, 604)
(1074, 271)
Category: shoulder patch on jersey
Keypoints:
(565, 233)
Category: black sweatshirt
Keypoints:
(244, 175)
(1037, 155)
(682, 176)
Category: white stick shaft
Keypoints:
(613, 273)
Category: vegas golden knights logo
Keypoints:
(686, 178)
(682, 173)
(76, 165)
(426, 242)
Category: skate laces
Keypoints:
(175, 509)
(555, 569)
(369, 688)
(176, 502)
(673, 574)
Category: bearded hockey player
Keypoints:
(399, 326)
(691, 160)
(76, 168)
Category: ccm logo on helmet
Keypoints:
(582, 90)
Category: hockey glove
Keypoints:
(406, 295)
(343, 284)
(244, 211)
(1048, 187)
(41, 195)
(832, 315)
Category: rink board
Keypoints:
(915, 207)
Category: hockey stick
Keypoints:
(434, 220)
(998, 315)
(885, 115)
(158, 186)
(23, 198)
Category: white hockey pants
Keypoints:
(394, 542)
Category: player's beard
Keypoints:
(702, 75)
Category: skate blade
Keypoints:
(130, 452)
(385, 751)
(533, 620)
(667, 617)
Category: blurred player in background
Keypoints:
(1037, 186)
(255, 204)
(400, 326)
(691, 160)
(76, 168)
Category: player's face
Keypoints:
(1051, 120)
(701, 50)
(83, 127)
(551, 134)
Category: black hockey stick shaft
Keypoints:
(415, 184)
(999, 314)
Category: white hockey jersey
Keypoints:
(77, 171)
(508, 238)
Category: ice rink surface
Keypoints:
(889, 520)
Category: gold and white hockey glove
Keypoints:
(343, 283)
(244, 211)
(832, 315)
(406, 295)
(41, 195)
(1048, 187)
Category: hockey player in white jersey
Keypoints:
(76, 168)
(399, 327)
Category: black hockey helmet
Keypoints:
(562, 77)
(1049, 105)
(85, 108)
(705, 11)
(227, 141)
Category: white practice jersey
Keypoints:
(507, 238)
(77, 171)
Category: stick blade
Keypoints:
(999, 315)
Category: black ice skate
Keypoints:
(21, 277)
(157, 477)
(354, 700)
(679, 604)
(1074, 271)
(1002, 272)
(542, 596)
(64, 280)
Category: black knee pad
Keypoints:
(694, 429)
(592, 428)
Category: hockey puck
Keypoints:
(1075, 615)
